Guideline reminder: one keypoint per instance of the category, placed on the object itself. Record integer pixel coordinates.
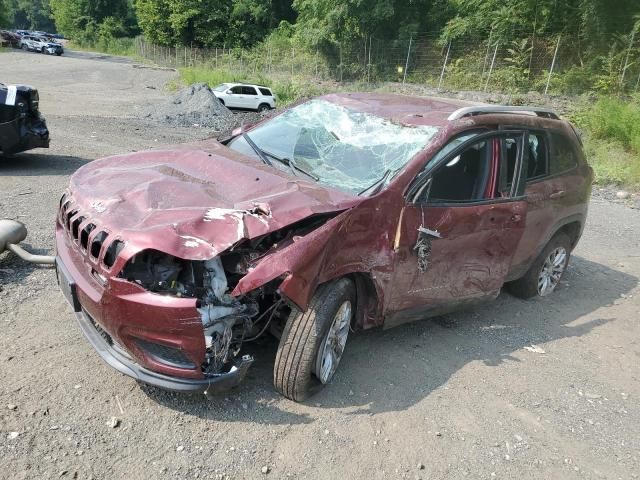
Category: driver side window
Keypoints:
(464, 178)
(485, 168)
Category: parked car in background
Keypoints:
(40, 44)
(345, 212)
(21, 124)
(53, 48)
(245, 96)
(33, 43)
(9, 39)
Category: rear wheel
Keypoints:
(313, 342)
(264, 107)
(545, 273)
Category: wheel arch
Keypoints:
(572, 226)
(368, 300)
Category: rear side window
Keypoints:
(537, 165)
(563, 154)
(249, 91)
(266, 92)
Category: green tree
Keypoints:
(211, 22)
(81, 19)
(4, 14)
(325, 21)
(173, 22)
(30, 14)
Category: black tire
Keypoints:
(305, 332)
(24, 47)
(263, 107)
(527, 285)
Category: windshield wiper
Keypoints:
(255, 148)
(292, 165)
(376, 186)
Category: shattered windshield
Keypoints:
(334, 145)
(220, 88)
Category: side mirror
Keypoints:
(229, 92)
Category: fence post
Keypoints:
(626, 60)
(340, 47)
(406, 64)
(486, 55)
(553, 63)
(533, 40)
(493, 61)
(369, 63)
(444, 65)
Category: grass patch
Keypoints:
(122, 47)
(612, 139)
(612, 163)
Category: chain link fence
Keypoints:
(546, 64)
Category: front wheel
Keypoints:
(545, 273)
(313, 342)
(24, 47)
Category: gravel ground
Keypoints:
(516, 389)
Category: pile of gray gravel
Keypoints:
(194, 106)
(197, 106)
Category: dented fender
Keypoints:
(300, 262)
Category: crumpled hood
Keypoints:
(195, 200)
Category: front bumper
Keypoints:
(114, 325)
(117, 358)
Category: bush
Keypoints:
(612, 139)
(614, 119)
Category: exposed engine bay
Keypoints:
(228, 322)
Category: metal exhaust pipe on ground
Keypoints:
(11, 234)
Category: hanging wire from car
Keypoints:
(273, 309)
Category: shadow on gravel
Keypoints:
(392, 370)
(14, 270)
(30, 164)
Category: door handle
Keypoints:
(558, 194)
(429, 232)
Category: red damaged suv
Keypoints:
(345, 212)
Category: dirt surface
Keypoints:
(517, 389)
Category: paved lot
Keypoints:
(460, 396)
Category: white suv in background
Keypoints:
(245, 96)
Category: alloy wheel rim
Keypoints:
(551, 271)
(334, 342)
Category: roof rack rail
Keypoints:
(480, 109)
